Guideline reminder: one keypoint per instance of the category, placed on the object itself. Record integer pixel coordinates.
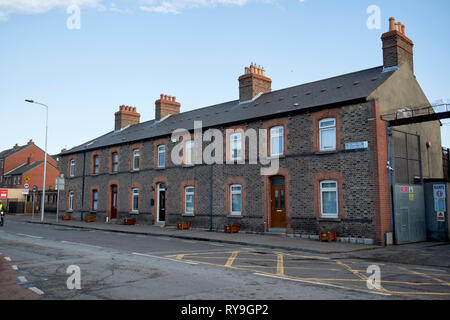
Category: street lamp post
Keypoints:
(45, 159)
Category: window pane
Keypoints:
(281, 199)
(329, 199)
(276, 199)
(327, 123)
(236, 205)
(328, 139)
(189, 203)
(329, 185)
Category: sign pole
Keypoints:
(57, 205)
(32, 217)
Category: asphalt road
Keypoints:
(126, 266)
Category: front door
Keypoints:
(113, 214)
(161, 202)
(278, 203)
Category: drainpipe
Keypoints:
(82, 185)
(391, 187)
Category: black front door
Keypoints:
(162, 205)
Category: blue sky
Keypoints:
(129, 52)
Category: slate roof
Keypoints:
(337, 90)
(23, 168)
(6, 153)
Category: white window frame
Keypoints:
(136, 157)
(232, 192)
(325, 128)
(190, 151)
(135, 200)
(277, 133)
(236, 144)
(72, 168)
(162, 152)
(114, 163)
(189, 191)
(96, 164)
(334, 189)
(71, 196)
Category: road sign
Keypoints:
(3, 193)
(35, 188)
(27, 179)
(59, 184)
(25, 192)
(26, 185)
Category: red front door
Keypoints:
(113, 211)
(278, 203)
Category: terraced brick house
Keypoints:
(332, 145)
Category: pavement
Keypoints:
(270, 241)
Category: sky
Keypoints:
(85, 58)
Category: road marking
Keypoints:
(82, 244)
(231, 259)
(30, 236)
(7, 258)
(163, 238)
(189, 241)
(22, 279)
(36, 290)
(216, 244)
(321, 283)
(14, 267)
(280, 264)
(157, 257)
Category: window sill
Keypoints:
(159, 168)
(188, 165)
(188, 215)
(134, 212)
(113, 173)
(326, 152)
(235, 216)
(329, 219)
(94, 174)
(135, 170)
(92, 211)
(69, 211)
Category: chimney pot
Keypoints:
(253, 82)
(391, 24)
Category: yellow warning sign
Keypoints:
(27, 178)
(411, 194)
(441, 216)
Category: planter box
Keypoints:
(89, 219)
(183, 225)
(129, 221)
(231, 228)
(66, 217)
(328, 236)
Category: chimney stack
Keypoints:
(166, 105)
(253, 82)
(31, 141)
(126, 116)
(397, 47)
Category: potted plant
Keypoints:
(129, 221)
(89, 219)
(183, 225)
(327, 235)
(66, 217)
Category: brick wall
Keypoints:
(362, 200)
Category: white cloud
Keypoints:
(176, 6)
(8, 7)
